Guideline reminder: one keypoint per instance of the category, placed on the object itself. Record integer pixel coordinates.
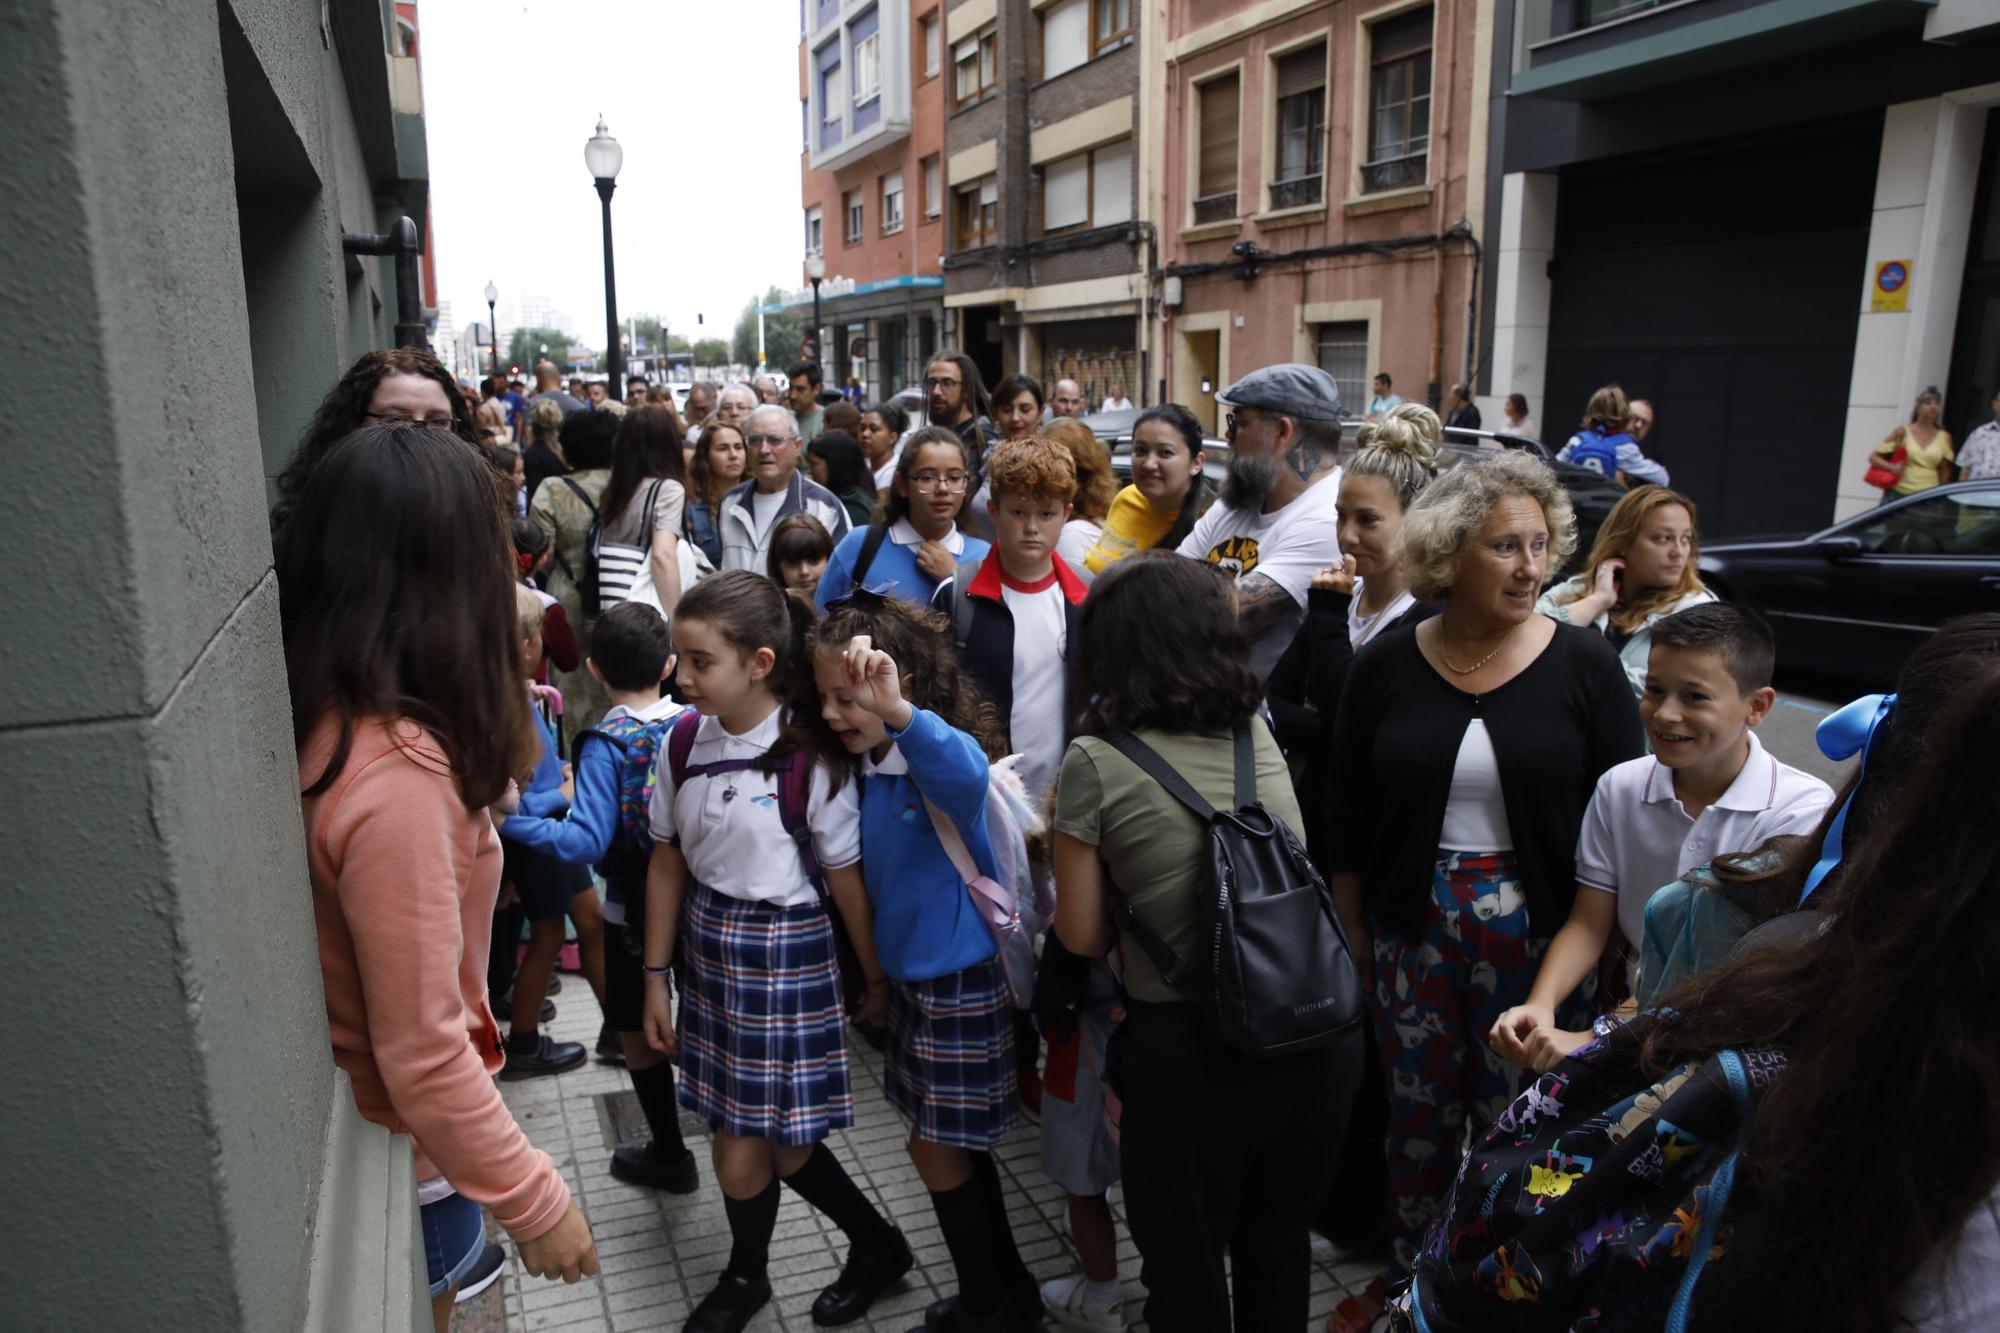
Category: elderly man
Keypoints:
(770, 391)
(1274, 526)
(1066, 400)
(752, 511)
(735, 404)
(700, 401)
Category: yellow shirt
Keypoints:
(1131, 526)
(1920, 461)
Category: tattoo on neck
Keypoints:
(1305, 459)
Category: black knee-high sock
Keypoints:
(1008, 1268)
(961, 1215)
(825, 1184)
(751, 1222)
(655, 1088)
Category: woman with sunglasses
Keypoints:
(918, 543)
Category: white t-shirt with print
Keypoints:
(1287, 546)
(1041, 649)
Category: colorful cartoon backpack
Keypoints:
(638, 744)
(1596, 1200)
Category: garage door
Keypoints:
(1722, 283)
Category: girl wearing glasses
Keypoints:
(917, 544)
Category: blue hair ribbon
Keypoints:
(1842, 735)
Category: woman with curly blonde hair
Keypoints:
(1465, 753)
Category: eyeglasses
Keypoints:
(931, 481)
(942, 384)
(435, 421)
(759, 441)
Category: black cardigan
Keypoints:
(1556, 727)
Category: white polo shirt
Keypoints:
(1637, 839)
(728, 824)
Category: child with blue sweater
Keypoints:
(894, 695)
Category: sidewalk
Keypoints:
(660, 1253)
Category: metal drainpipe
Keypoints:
(406, 244)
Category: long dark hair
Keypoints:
(1893, 1058)
(974, 386)
(751, 612)
(1200, 491)
(1160, 645)
(706, 486)
(896, 504)
(648, 446)
(920, 641)
(344, 410)
(846, 468)
(396, 597)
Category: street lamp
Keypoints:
(603, 156)
(816, 270)
(492, 329)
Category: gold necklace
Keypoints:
(1466, 671)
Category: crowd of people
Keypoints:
(800, 721)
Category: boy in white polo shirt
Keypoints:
(1708, 788)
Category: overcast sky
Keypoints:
(703, 96)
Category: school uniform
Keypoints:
(543, 883)
(763, 1050)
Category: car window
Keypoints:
(1965, 523)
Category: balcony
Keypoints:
(1215, 208)
(1395, 173)
(1297, 192)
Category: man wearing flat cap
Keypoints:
(1275, 524)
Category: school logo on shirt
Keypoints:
(1236, 556)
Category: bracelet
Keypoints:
(656, 971)
(877, 981)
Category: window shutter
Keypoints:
(1111, 185)
(1065, 37)
(1303, 71)
(1066, 192)
(1218, 136)
(1400, 36)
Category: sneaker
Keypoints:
(1067, 1299)
(555, 985)
(492, 1262)
(870, 1271)
(609, 1048)
(732, 1305)
(644, 1165)
(548, 1057)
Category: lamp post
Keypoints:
(492, 328)
(816, 270)
(603, 156)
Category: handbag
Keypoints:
(618, 568)
(1882, 474)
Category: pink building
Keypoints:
(1322, 172)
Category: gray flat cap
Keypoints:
(1293, 389)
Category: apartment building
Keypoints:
(1048, 254)
(1323, 192)
(871, 87)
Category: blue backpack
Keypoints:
(1597, 451)
(638, 744)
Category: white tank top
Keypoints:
(1475, 814)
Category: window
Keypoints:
(868, 69)
(977, 210)
(1088, 190)
(832, 97)
(933, 187)
(933, 45)
(1110, 26)
(1399, 103)
(976, 63)
(892, 202)
(1065, 37)
(815, 243)
(850, 204)
(1343, 354)
(1301, 127)
(1962, 525)
(1215, 173)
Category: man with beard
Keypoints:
(956, 397)
(1275, 524)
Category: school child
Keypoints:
(761, 1034)
(799, 552)
(400, 643)
(893, 694)
(630, 654)
(1708, 788)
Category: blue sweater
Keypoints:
(893, 572)
(925, 924)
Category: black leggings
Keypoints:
(1224, 1152)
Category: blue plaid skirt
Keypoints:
(950, 1067)
(763, 1046)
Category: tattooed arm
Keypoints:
(1260, 601)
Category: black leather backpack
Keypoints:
(1271, 971)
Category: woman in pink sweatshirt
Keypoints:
(398, 606)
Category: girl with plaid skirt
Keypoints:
(761, 1035)
(925, 737)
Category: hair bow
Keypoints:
(1842, 735)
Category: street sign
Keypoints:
(1891, 291)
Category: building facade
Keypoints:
(1775, 219)
(871, 89)
(1324, 192)
(182, 176)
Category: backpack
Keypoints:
(1017, 904)
(961, 605)
(1273, 974)
(1596, 1200)
(1597, 451)
(870, 546)
(794, 794)
(638, 744)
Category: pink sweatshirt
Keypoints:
(404, 879)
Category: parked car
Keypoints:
(1854, 599)
(1591, 494)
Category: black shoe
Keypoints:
(609, 1048)
(504, 1005)
(645, 1166)
(732, 1305)
(1021, 1313)
(550, 1057)
(869, 1273)
(874, 1034)
(492, 1262)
